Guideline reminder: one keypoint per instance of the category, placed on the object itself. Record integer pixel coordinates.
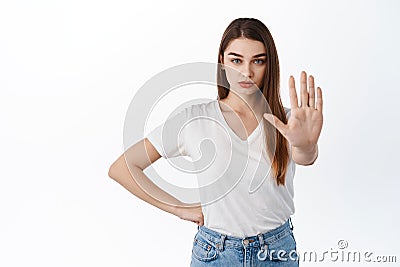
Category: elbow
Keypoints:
(115, 169)
(112, 171)
(118, 169)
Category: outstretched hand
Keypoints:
(305, 122)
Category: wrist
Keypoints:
(179, 207)
(305, 155)
(306, 149)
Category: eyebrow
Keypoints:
(258, 55)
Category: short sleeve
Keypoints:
(168, 138)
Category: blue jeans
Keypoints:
(273, 248)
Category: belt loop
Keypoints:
(261, 239)
(262, 248)
(290, 223)
(221, 246)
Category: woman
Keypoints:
(245, 219)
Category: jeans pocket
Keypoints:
(204, 249)
(283, 249)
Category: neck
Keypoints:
(244, 104)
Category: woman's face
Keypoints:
(245, 61)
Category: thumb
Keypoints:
(271, 118)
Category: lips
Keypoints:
(246, 84)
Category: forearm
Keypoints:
(305, 155)
(153, 195)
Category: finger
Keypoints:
(303, 90)
(311, 100)
(294, 102)
(200, 221)
(319, 99)
(276, 122)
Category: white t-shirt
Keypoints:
(238, 193)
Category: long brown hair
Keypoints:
(254, 29)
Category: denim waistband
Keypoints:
(222, 240)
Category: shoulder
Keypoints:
(190, 110)
(198, 108)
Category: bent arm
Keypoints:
(141, 155)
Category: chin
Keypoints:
(245, 91)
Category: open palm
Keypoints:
(305, 122)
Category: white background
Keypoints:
(69, 69)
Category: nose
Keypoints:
(246, 70)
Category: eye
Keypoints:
(259, 61)
(233, 60)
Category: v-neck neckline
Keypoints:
(249, 137)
